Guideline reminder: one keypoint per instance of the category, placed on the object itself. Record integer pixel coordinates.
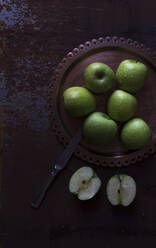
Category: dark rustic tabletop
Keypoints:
(34, 37)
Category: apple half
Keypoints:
(121, 190)
(84, 183)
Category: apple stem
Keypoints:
(119, 179)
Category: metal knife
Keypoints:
(60, 165)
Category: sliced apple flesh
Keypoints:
(121, 190)
(84, 183)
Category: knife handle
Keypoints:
(42, 192)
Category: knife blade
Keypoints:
(60, 165)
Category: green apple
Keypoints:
(84, 183)
(79, 101)
(121, 106)
(131, 75)
(135, 134)
(99, 77)
(99, 129)
(121, 190)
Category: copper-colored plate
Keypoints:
(70, 73)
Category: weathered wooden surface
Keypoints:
(34, 36)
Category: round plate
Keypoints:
(69, 72)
